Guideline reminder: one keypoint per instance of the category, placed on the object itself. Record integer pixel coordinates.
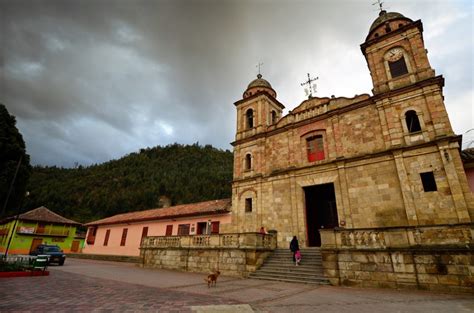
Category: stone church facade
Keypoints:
(371, 173)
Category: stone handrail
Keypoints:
(397, 237)
(242, 240)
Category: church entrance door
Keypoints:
(321, 211)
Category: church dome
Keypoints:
(257, 85)
(384, 18)
(259, 82)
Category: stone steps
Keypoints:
(279, 266)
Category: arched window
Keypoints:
(413, 123)
(248, 162)
(273, 116)
(249, 118)
(315, 148)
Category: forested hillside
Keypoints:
(135, 182)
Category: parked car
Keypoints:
(56, 255)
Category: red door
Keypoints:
(201, 228)
(214, 227)
(169, 230)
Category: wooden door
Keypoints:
(36, 242)
(201, 228)
(214, 227)
(169, 230)
(75, 246)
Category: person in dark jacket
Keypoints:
(294, 246)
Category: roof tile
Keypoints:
(192, 209)
(43, 214)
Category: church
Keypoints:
(383, 160)
(372, 172)
(375, 183)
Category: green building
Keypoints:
(39, 226)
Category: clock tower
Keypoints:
(395, 52)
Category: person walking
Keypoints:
(294, 246)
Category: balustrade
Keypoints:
(391, 237)
(244, 240)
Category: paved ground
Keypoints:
(97, 286)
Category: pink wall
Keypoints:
(134, 234)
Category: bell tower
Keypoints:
(258, 109)
(395, 52)
(257, 112)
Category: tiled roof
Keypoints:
(184, 210)
(43, 214)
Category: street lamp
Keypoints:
(16, 222)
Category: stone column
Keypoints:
(453, 181)
(405, 189)
(346, 206)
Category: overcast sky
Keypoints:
(90, 81)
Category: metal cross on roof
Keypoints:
(311, 88)
(258, 65)
(380, 3)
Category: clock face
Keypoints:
(394, 54)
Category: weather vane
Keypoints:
(311, 88)
(258, 65)
(380, 3)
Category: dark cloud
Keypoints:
(93, 80)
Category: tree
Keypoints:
(12, 150)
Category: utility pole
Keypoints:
(16, 222)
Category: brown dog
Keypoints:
(212, 279)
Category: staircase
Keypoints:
(279, 266)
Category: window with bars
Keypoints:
(398, 67)
(106, 239)
(183, 229)
(124, 237)
(315, 148)
(413, 123)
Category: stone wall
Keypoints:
(379, 191)
(230, 262)
(231, 254)
(106, 257)
(429, 268)
(439, 257)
